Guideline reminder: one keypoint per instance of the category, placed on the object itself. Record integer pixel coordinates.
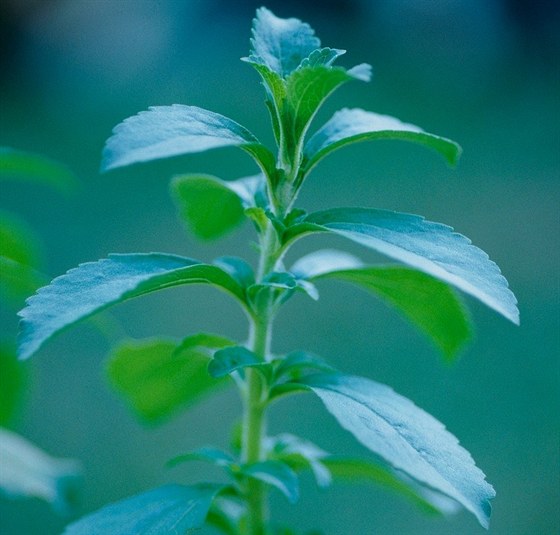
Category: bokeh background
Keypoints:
(482, 72)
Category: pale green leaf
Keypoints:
(13, 380)
(165, 131)
(428, 303)
(164, 510)
(406, 437)
(231, 359)
(18, 281)
(430, 247)
(207, 454)
(18, 241)
(27, 166)
(294, 365)
(94, 286)
(28, 472)
(281, 44)
(352, 125)
(276, 474)
(157, 379)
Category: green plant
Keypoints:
(158, 376)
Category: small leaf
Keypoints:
(323, 262)
(18, 241)
(94, 286)
(276, 474)
(211, 455)
(18, 281)
(408, 438)
(281, 44)
(21, 165)
(430, 304)
(165, 131)
(321, 57)
(238, 268)
(167, 509)
(26, 471)
(295, 364)
(424, 245)
(349, 126)
(157, 379)
(231, 359)
(209, 208)
(355, 470)
(298, 453)
(203, 341)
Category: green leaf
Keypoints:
(167, 509)
(12, 384)
(349, 126)
(209, 208)
(165, 131)
(354, 470)
(231, 359)
(157, 379)
(281, 44)
(295, 364)
(93, 286)
(21, 165)
(211, 455)
(405, 436)
(18, 241)
(306, 89)
(424, 245)
(238, 269)
(276, 474)
(28, 472)
(428, 303)
(18, 281)
(298, 453)
(203, 341)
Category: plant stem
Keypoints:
(254, 420)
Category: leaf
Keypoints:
(203, 341)
(167, 509)
(281, 44)
(405, 436)
(351, 125)
(428, 303)
(323, 262)
(28, 472)
(306, 89)
(276, 474)
(22, 165)
(354, 470)
(211, 455)
(298, 453)
(18, 241)
(231, 359)
(93, 286)
(295, 364)
(18, 281)
(238, 269)
(12, 385)
(165, 131)
(424, 245)
(209, 208)
(156, 379)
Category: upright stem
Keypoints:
(254, 420)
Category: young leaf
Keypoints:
(430, 304)
(281, 44)
(295, 364)
(26, 471)
(234, 358)
(167, 509)
(408, 438)
(165, 131)
(211, 455)
(424, 245)
(356, 470)
(94, 286)
(21, 165)
(348, 126)
(277, 474)
(156, 379)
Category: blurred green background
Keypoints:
(482, 72)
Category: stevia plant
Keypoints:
(414, 454)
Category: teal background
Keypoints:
(484, 73)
